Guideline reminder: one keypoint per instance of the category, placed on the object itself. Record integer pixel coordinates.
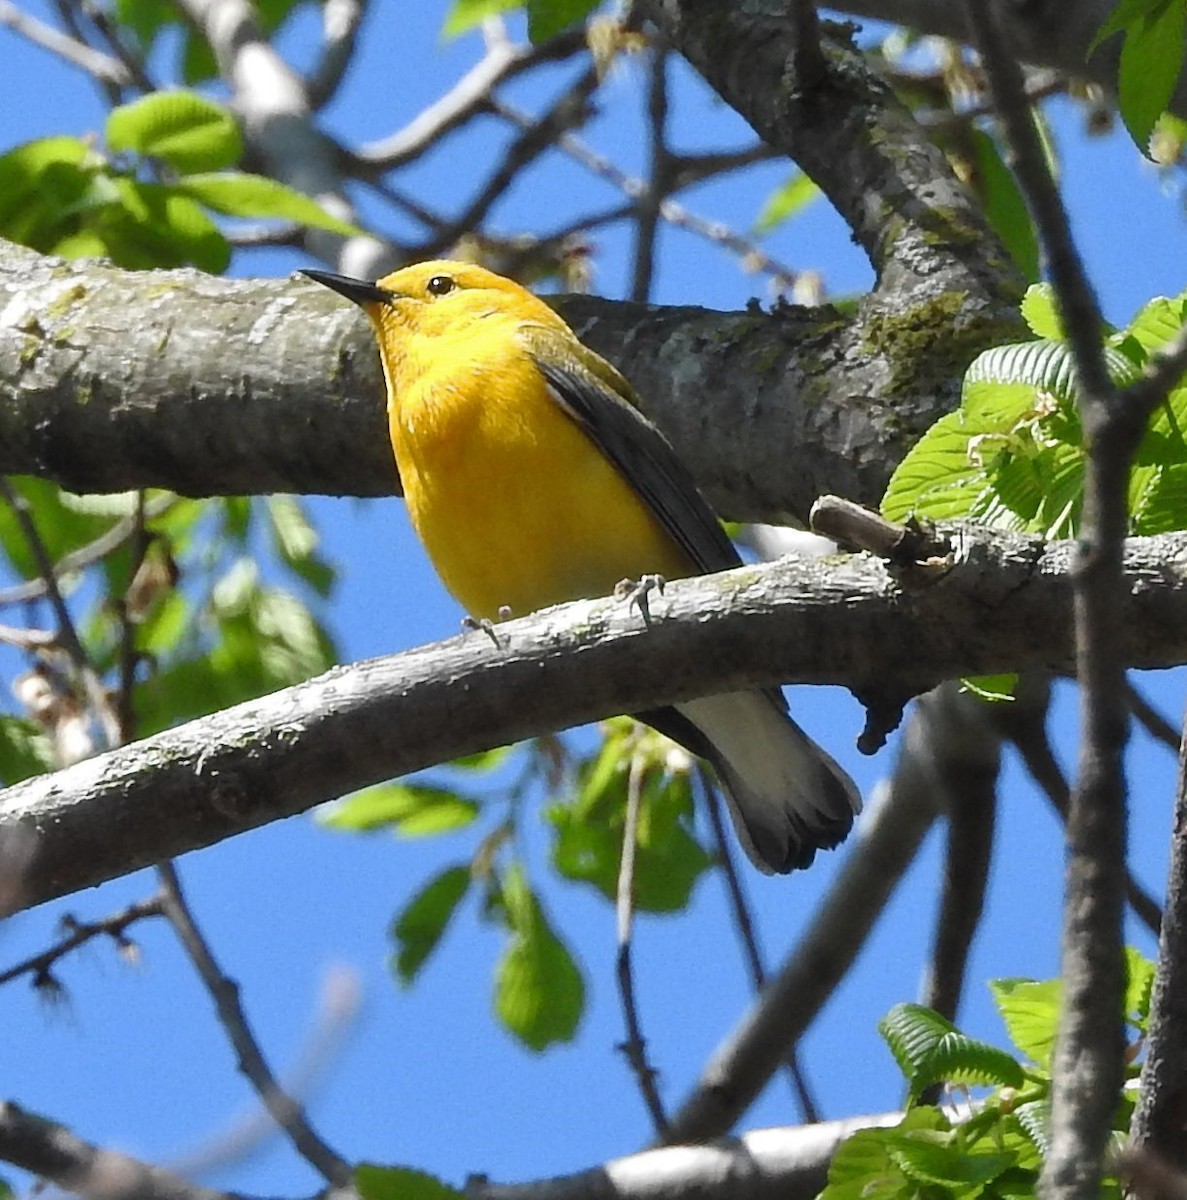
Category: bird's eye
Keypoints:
(441, 285)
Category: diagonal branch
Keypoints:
(1002, 605)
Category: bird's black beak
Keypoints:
(358, 290)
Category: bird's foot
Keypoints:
(487, 626)
(637, 593)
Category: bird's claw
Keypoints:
(486, 625)
(637, 592)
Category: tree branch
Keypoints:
(52, 1152)
(765, 1164)
(1002, 605)
(111, 380)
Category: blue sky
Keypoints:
(134, 1059)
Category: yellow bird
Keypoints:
(532, 478)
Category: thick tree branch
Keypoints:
(1003, 604)
(113, 379)
(52, 1152)
(764, 1164)
(823, 107)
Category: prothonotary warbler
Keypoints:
(532, 478)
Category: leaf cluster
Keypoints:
(538, 988)
(994, 1149)
(198, 587)
(144, 196)
(1013, 455)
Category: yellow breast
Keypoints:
(515, 504)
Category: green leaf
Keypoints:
(145, 18)
(39, 181)
(61, 526)
(239, 194)
(168, 228)
(1125, 13)
(784, 202)
(184, 129)
(25, 750)
(940, 1158)
(864, 1168)
(1151, 62)
(589, 830)
(412, 809)
(401, 1183)
(539, 992)
(295, 540)
(422, 921)
(466, 14)
(1004, 204)
(1030, 1011)
(930, 1049)
(1139, 987)
(1040, 311)
(1157, 322)
(547, 18)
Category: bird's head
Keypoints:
(438, 297)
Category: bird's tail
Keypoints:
(787, 797)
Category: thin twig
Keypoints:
(671, 210)
(540, 135)
(1150, 719)
(744, 922)
(647, 206)
(67, 633)
(112, 91)
(85, 556)
(41, 965)
(128, 655)
(75, 51)
(469, 96)
(635, 1048)
(285, 1110)
(340, 24)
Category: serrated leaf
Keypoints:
(412, 809)
(1030, 1011)
(863, 1167)
(1123, 14)
(467, 14)
(374, 1182)
(418, 928)
(547, 18)
(937, 1158)
(539, 992)
(1034, 1119)
(930, 1049)
(1139, 985)
(795, 193)
(181, 128)
(938, 477)
(1158, 320)
(1040, 311)
(240, 194)
(1151, 62)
